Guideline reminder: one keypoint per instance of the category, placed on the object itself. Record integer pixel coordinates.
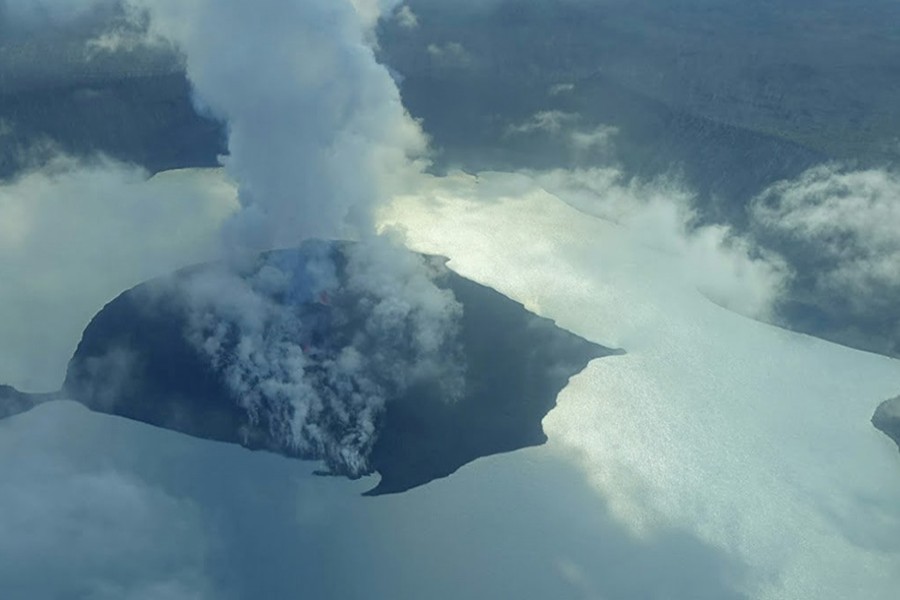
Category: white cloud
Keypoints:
(73, 236)
(599, 138)
(561, 88)
(569, 127)
(76, 525)
(406, 17)
(850, 221)
(449, 54)
(114, 41)
(550, 121)
(189, 518)
(128, 34)
(372, 10)
(658, 215)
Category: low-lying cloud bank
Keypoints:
(112, 509)
(821, 253)
(840, 228)
(74, 235)
(818, 253)
(723, 265)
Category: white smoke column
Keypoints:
(317, 131)
(317, 138)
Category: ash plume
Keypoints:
(317, 131)
(318, 137)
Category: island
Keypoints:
(139, 359)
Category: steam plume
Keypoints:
(316, 127)
(317, 138)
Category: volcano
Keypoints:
(137, 360)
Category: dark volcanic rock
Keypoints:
(517, 365)
(887, 419)
(135, 360)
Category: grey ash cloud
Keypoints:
(313, 356)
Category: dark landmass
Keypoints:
(725, 165)
(134, 361)
(887, 419)
(145, 120)
(513, 55)
(517, 363)
(13, 402)
(821, 73)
